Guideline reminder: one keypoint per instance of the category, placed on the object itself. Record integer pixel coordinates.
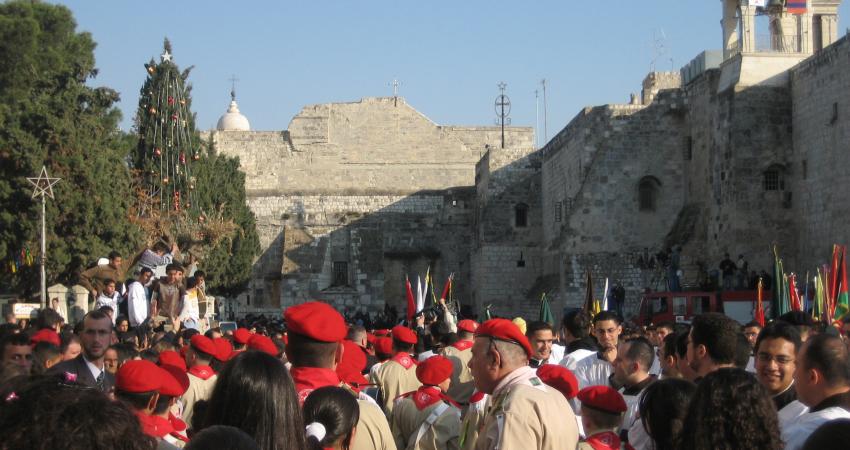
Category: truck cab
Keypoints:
(682, 306)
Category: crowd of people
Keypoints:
(319, 382)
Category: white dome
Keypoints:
(233, 119)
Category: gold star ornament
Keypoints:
(43, 184)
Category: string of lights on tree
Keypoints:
(167, 137)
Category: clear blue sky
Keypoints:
(448, 55)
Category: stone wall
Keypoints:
(819, 163)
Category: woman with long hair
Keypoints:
(255, 393)
(331, 414)
(730, 410)
(663, 407)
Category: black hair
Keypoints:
(174, 266)
(337, 410)
(355, 333)
(730, 410)
(797, 318)
(41, 353)
(149, 354)
(668, 345)
(17, 339)
(47, 318)
(719, 334)
(200, 273)
(96, 314)
(114, 254)
(222, 436)
(663, 406)
(536, 326)
(752, 324)
(743, 352)
(667, 325)
(125, 352)
(682, 344)
(305, 352)
(145, 270)
(607, 315)
(108, 281)
(138, 401)
(399, 346)
(67, 339)
(254, 392)
(641, 351)
(160, 246)
(780, 330)
(162, 404)
(44, 405)
(829, 356)
(577, 322)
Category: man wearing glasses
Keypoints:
(775, 350)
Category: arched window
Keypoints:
(774, 178)
(648, 190)
(521, 215)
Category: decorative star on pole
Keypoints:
(166, 56)
(43, 184)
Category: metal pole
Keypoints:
(545, 115)
(536, 119)
(503, 124)
(44, 302)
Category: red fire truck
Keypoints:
(657, 307)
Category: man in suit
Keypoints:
(88, 366)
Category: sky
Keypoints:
(448, 56)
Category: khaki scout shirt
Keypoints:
(393, 380)
(373, 431)
(462, 384)
(529, 415)
(408, 419)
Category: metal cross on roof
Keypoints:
(43, 184)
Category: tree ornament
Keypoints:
(174, 116)
(196, 156)
(153, 110)
(183, 101)
(182, 158)
(170, 100)
(151, 69)
(165, 180)
(157, 151)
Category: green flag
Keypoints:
(545, 314)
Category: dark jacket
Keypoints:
(78, 367)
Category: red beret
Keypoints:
(138, 376)
(46, 335)
(370, 338)
(223, 349)
(353, 357)
(263, 344)
(560, 378)
(353, 378)
(504, 330)
(603, 398)
(172, 358)
(203, 344)
(382, 332)
(241, 336)
(316, 320)
(404, 334)
(384, 345)
(467, 325)
(175, 382)
(434, 370)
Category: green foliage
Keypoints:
(48, 116)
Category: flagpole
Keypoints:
(44, 302)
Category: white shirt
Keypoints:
(788, 415)
(592, 371)
(190, 306)
(795, 435)
(95, 371)
(557, 354)
(572, 359)
(137, 304)
(112, 302)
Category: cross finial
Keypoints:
(502, 85)
(395, 84)
(233, 81)
(43, 184)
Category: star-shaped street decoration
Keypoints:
(43, 184)
(166, 56)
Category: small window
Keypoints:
(659, 305)
(680, 306)
(648, 193)
(340, 275)
(558, 211)
(521, 215)
(700, 305)
(774, 179)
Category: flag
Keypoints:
(588, 296)
(780, 286)
(447, 287)
(796, 6)
(795, 296)
(842, 301)
(605, 296)
(487, 314)
(411, 302)
(420, 295)
(545, 314)
(431, 286)
(759, 313)
(817, 309)
(597, 307)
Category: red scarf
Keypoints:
(308, 379)
(426, 396)
(202, 372)
(179, 427)
(404, 359)
(154, 426)
(462, 345)
(606, 440)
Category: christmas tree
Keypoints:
(168, 144)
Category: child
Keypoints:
(602, 411)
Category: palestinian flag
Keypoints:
(758, 315)
(842, 301)
(411, 302)
(797, 6)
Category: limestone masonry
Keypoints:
(744, 149)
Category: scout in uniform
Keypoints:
(138, 384)
(314, 348)
(427, 418)
(199, 356)
(524, 412)
(602, 410)
(459, 354)
(398, 375)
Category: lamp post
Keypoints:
(43, 187)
